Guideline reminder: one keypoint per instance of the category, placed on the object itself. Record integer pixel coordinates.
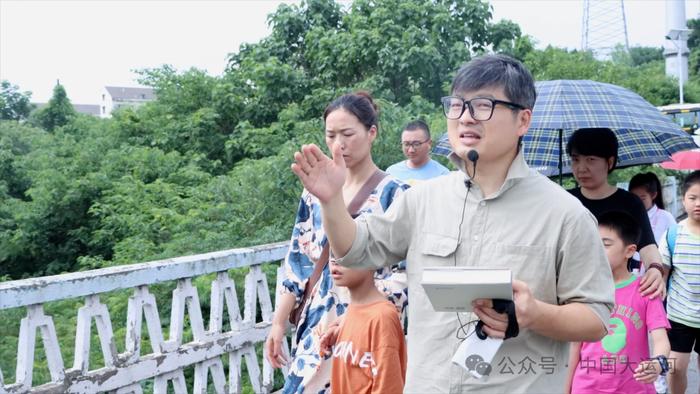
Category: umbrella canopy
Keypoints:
(563, 106)
(686, 160)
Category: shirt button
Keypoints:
(476, 238)
(482, 203)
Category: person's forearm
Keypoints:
(338, 225)
(571, 322)
(283, 308)
(650, 254)
(661, 345)
(661, 349)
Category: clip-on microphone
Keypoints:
(472, 156)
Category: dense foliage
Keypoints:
(14, 105)
(58, 112)
(205, 166)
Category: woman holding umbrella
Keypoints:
(593, 153)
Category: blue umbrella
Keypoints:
(644, 134)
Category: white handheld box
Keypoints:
(452, 289)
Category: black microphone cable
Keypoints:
(473, 156)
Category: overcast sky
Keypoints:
(90, 44)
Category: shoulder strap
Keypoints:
(318, 268)
(319, 265)
(671, 235)
(364, 192)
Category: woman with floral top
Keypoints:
(350, 121)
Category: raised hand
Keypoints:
(321, 176)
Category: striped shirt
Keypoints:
(684, 291)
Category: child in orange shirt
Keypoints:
(369, 355)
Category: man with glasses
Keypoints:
(495, 212)
(418, 166)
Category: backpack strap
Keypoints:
(671, 235)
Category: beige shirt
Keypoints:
(532, 226)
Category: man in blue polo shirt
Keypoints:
(418, 165)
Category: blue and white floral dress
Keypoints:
(308, 371)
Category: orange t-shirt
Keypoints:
(369, 355)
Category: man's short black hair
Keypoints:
(419, 125)
(497, 71)
(623, 224)
(599, 142)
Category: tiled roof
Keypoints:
(120, 93)
(89, 109)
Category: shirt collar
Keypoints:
(518, 168)
(653, 209)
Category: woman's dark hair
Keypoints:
(650, 182)
(692, 179)
(599, 142)
(359, 104)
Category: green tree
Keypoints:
(694, 37)
(16, 141)
(14, 105)
(694, 47)
(315, 52)
(636, 56)
(58, 112)
(504, 35)
(398, 48)
(644, 55)
(648, 79)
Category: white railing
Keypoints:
(124, 372)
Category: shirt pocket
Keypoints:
(435, 250)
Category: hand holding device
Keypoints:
(502, 307)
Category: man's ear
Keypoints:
(611, 163)
(524, 119)
(630, 250)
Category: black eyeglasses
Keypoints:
(413, 144)
(480, 108)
